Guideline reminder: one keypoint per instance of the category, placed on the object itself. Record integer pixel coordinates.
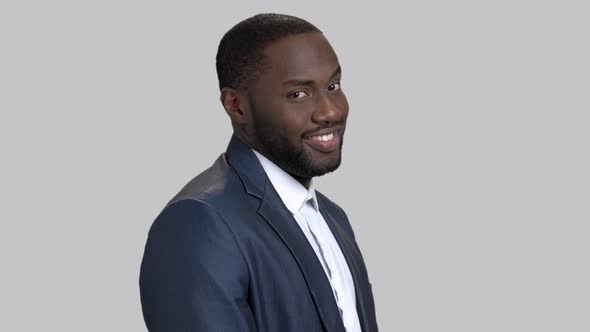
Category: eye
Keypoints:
(334, 86)
(297, 95)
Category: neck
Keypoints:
(304, 181)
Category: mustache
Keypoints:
(327, 128)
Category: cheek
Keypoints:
(298, 124)
(292, 120)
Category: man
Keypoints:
(249, 245)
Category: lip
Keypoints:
(326, 131)
(325, 146)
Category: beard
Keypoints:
(295, 159)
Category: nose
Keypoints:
(330, 109)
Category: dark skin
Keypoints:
(297, 95)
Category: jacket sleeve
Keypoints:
(193, 274)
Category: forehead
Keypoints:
(306, 55)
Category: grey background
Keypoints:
(465, 168)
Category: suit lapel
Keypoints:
(280, 219)
(353, 258)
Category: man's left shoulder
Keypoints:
(327, 202)
(335, 209)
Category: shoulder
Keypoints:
(187, 219)
(214, 199)
(214, 186)
(330, 204)
(335, 209)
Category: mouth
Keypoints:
(325, 143)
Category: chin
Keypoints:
(328, 166)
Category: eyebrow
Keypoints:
(310, 82)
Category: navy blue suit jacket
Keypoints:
(226, 255)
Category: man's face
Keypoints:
(295, 103)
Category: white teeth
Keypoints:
(323, 137)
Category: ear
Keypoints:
(235, 105)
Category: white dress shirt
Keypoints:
(303, 205)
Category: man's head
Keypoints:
(280, 84)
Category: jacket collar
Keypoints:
(241, 158)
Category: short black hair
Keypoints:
(239, 59)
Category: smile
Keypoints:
(324, 143)
(324, 138)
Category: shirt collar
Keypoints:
(291, 191)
